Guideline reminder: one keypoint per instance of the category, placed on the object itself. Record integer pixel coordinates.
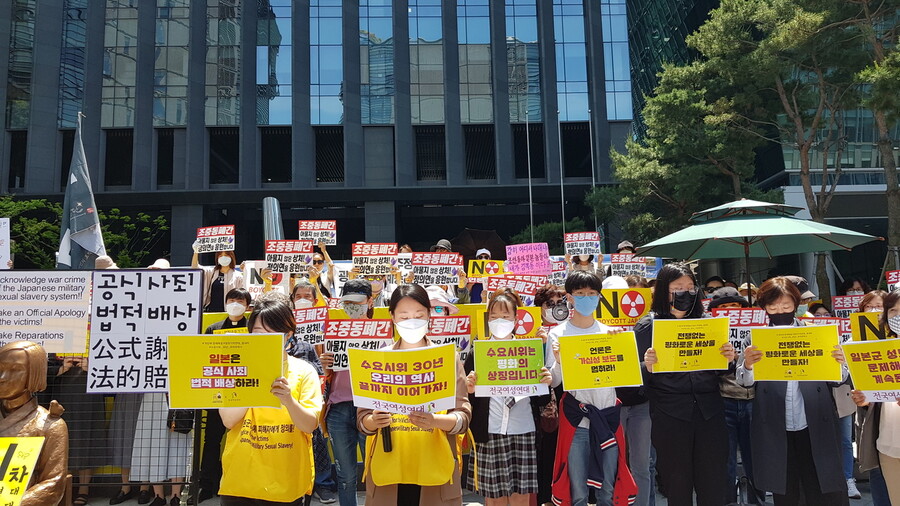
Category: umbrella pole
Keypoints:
(747, 267)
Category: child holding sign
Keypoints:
(504, 427)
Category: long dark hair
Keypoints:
(669, 273)
(414, 292)
(890, 300)
(273, 310)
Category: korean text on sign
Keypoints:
(796, 353)
(559, 271)
(623, 307)
(893, 280)
(318, 231)
(46, 307)
(583, 243)
(531, 258)
(627, 264)
(741, 320)
(684, 345)
(437, 268)
(224, 371)
(599, 360)
(401, 381)
(843, 305)
(212, 239)
(875, 368)
(843, 324)
(525, 285)
(133, 313)
(288, 256)
(311, 324)
(373, 259)
(509, 368)
(455, 330)
(20, 456)
(343, 335)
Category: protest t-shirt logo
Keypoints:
(491, 268)
(524, 322)
(633, 304)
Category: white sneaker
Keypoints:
(852, 491)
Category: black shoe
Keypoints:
(122, 496)
(204, 495)
(145, 497)
(175, 501)
(159, 501)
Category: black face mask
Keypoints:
(683, 301)
(781, 319)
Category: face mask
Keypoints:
(855, 292)
(224, 260)
(586, 304)
(683, 300)
(501, 328)
(303, 304)
(781, 319)
(874, 310)
(584, 258)
(377, 286)
(235, 309)
(355, 311)
(894, 324)
(412, 331)
(557, 313)
(802, 309)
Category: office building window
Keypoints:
(165, 155)
(615, 57)
(376, 60)
(18, 155)
(68, 142)
(525, 141)
(21, 63)
(329, 154)
(71, 62)
(119, 160)
(426, 59)
(273, 62)
(326, 62)
(431, 153)
(170, 68)
(275, 151)
(523, 61)
(571, 60)
(474, 32)
(479, 146)
(224, 156)
(576, 148)
(223, 62)
(119, 64)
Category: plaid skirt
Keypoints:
(507, 464)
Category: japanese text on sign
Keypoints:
(684, 345)
(374, 259)
(311, 324)
(796, 353)
(437, 268)
(317, 231)
(212, 239)
(288, 256)
(875, 368)
(343, 335)
(20, 456)
(599, 360)
(509, 368)
(531, 258)
(133, 313)
(583, 243)
(48, 308)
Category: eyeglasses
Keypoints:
(711, 289)
(692, 291)
(318, 262)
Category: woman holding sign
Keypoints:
(504, 427)
(281, 469)
(687, 412)
(218, 280)
(794, 431)
(425, 444)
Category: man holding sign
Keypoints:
(794, 428)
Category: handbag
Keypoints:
(550, 414)
(180, 420)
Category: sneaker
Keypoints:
(324, 495)
(852, 491)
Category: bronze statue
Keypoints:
(23, 373)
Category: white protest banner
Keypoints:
(374, 259)
(741, 321)
(843, 324)
(525, 285)
(5, 255)
(404, 263)
(311, 324)
(318, 231)
(437, 268)
(288, 257)
(626, 264)
(342, 270)
(531, 258)
(893, 280)
(843, 305)
(133, 315)
(253, 280)
(341, 335)
(560, 269)
(46, 307)
(583, 243)
(213, 239)
(456, 330)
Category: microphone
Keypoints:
(386, 439)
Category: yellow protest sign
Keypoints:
(236, 330)
(472, 311)
(224, 371)
(865, 327)
(400, 381)
(528, 322)
(484, 268)
(684, 345)
(599, 360)
(20, 454)
(623, 307)
(796, 353)
(875, 368)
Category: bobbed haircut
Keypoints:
(775, 288)
(669, 273)
(547, 292)
(36, 363)
(576, 280)
(506, 296)
(273, 311)
(412, 291)
(869, 297)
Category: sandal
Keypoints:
(81, 500)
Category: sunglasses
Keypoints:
(483, 257)
(711, 289)
(318, 262)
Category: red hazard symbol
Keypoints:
(491, 268)
(277, 278)
(633, 304)
(524, 322)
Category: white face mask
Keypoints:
(303, 304)
(855, 292)
(584, 258)
(894, 324)
(412, 331)
(501, 328)
(235, 309)
(224, 260)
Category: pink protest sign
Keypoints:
(531, 258)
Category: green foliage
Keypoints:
(130, 239)
(884, 85)
(550, 233)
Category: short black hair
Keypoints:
(239, 293)
(577, 280)
(275, 312)
(411, 290)
(665, 277)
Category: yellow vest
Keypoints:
(266, 456)
(418, 456)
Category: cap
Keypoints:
(443, 243)
(160, 263)
(727, 295)
(802, 285)
(743, 286)
(614, 282)
(624, 244)
(104, 262)
(438, 297)
(483, 251)
(356, 290)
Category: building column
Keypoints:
(303, 146)
(404, 138)
(549, 98)
(505, 160)
(5, 6)
(248, 135)
(143, 172)
(381, 221)
(353, 135)
(453, 133)
(195, 175)
(597, 91)
(91, 133)
(185, 222)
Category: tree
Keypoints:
(550, 233)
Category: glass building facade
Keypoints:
(367, 110)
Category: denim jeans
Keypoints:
(879, 489)
(846, 424)
(738, 413)
(636, 423)
(345, 438)
(579, 456)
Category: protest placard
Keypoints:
(558, 273)
(866, 327)
(46, 307)
(627, 264)
(479, 270)
(796, 353)
(583, 243)
(740, 322)
(213, 239)
(599, 360)
(531, 258)
(875, 368)
(344, 335)
(224, 371)
(342, 270)
(374, 259)
(893, 280)
(235, 330)
(843, 305)
(475, 312)
(404, 263)
(510, 368)
(401, 381)
(255, 284)
(133, 313)
(311, 324)
(288, 257)
(526, 285)
(437, 268)
(623, 307)
(455, 330)
(5, 255)
(684, 345)
(528, 322)
(843, 325)
(20, 456)
(317, 231)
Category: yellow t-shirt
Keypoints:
(266, 456)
